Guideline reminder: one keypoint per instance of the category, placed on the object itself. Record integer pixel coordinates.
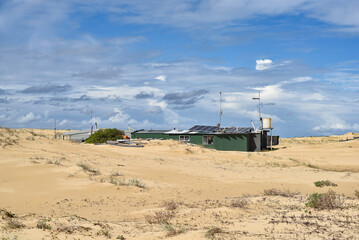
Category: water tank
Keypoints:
(267, 123)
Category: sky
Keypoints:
(150, 64)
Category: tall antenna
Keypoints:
(220, 108)
(91, 118)
(259, 108)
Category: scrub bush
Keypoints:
(104, 135)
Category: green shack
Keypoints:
(224, 139)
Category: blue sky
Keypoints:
(160, 64)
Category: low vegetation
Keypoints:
(321, 201)
(240, 203)
(173, 231)
(160, 217)
(356, 193)
(278, 192)
(211, 233)
(14, 224)
(104, 135)
(325, 183)
(87, 168)
(170, 205)
(42, 224)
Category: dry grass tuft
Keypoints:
(356, 193)
(170, 205)
(173, 231)
(87, 168)
(162, 216)
(14, 224)
(278, 192)
(240, 203)
(211, 233)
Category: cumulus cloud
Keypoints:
(264, 64)
(63, 122)
(48, 88)
(161, 78)
(28, 118)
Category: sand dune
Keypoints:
(55, 189)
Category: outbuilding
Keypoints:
(77, 136)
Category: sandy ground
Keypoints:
(54, 189)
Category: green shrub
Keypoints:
(328, 200)
(325, 183)
(104, 135)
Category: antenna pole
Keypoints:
(91, 117)
(259, 109)
(220, 108)
(55, 128)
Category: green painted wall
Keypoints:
(238, 142)
(222, 142)
(150, 135)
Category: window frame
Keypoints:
(185, 138)
(205, 139)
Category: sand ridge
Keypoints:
(62, 190)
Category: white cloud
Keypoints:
(28, 118)
(63, 122)
(161, 78)
(264, 64)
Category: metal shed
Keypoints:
(78, 136)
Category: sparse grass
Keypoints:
(56, 162)
(14, 224)
(121, 237)
(173, 231)
(325, 183)
(116, 173)
(132, 182)
(211, 233)
(114, 180)
(278, 192)
(311, 165)
(104, 232)
(170, 205)
(42, 224)
(162, 216)
(87, 168)
(7, 214)
(356, 193)
(240, 203)
(321, 201)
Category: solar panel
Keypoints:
(230, 130)
(194, 128)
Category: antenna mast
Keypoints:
(220, 108)
(259, 109)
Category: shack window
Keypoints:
(184, 138)
(207, 140)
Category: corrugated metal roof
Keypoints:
(152, 131)
(178, 132)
